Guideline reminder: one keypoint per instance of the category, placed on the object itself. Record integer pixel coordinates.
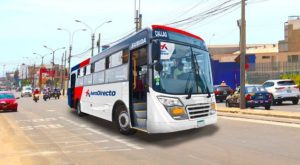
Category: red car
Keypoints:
(8, 102)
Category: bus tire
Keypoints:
(123, 121)
(78, 109)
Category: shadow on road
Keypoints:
(176, 138)
(163, 140)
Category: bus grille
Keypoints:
(198, 111)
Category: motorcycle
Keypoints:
(36, 97)
(46, 96)
(56, 94)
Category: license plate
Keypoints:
(289, 91)
(260, 97)
(224, 92)
(200, 123)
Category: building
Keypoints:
(265, 61)
(291, 42)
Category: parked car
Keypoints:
(26, 91)
(255, 95)
(221, 92)
(8, 101)
(283, 90)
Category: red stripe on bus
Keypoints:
(176, 31)
(84, 63)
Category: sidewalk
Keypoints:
(271, 115)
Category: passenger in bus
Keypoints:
(178, 71)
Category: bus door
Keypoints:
(138, 84)
(71, 90)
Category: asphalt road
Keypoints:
(286, 106)
(48, 133)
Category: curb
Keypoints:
(268, 113)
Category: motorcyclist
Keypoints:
(36, 92)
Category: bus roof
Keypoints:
(167, 28)
(145, 33)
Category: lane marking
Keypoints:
(49, 126)
(116, 139)
(122, 141)
(72, 122)
(262, 122)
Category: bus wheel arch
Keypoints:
(121, 118)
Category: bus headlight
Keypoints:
(174, 107)
(213, 109)
(169, 102)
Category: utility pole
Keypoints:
(242, 55)
(138, 16)
(61, 71)
(64, 73)
(69, 64)
(93, 39)
(99, 42)
(33, 83)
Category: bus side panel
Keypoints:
(70, 98)
(98, 100)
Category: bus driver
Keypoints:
(178, 71)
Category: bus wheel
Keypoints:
(123, 121)
(78, 110)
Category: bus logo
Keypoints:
(89, 93)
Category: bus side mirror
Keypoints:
(155, 50)
(158, 67)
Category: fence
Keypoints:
(260, 72)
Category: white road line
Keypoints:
(103, 134)
(71, 146)
(262, 122)
(72, 122)
(122, 141)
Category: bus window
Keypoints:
(92, 69)
(116, 59)
(88, 70)
(78, 72)
(100, 65)
(107, 62)
(125, 56)
(84, 71)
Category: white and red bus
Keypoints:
(158, 80)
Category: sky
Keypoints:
(26, 26)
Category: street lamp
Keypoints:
(71, 36)
(93, 31)
(53, 52)
(42, 56)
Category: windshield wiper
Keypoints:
(190, 91)
(208, 92)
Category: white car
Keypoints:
(26, 91)
(283, 90)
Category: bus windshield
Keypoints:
(185, 70)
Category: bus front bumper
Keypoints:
(180, 125)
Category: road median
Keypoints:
(267, 113)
